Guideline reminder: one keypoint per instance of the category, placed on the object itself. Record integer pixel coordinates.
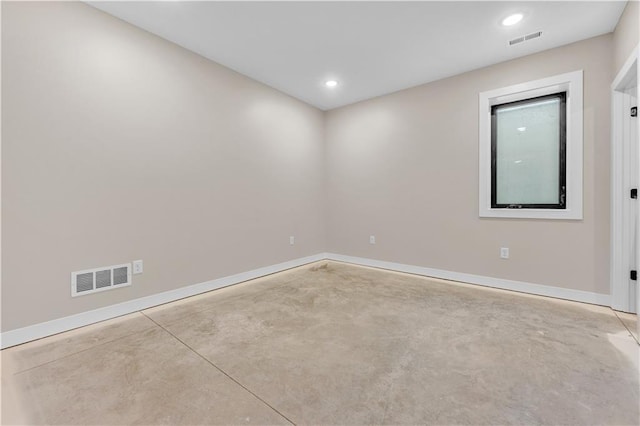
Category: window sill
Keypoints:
(554, 214)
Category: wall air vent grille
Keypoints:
(100, 279)
(121, 275)
(525, 38)
(103, 278)
(84, 282)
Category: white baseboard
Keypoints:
(37, 331)
(44, 329)
(519, 286)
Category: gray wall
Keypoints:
(118, 145)
(626, 34)
(404, 167)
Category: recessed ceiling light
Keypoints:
(522, 129)
(331, 83)
(512, 19)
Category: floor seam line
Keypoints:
(84, 350)
(625, 326)
(221, 370)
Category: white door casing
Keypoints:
(625, 160)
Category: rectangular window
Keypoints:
(530, 149)
(528, 153)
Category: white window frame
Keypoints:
(571, 83)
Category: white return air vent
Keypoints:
(525, 38)
(100, 279)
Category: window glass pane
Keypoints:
(527, 153)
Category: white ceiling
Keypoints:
(370, 48)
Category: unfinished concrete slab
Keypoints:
(332, 343)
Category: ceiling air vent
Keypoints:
(525, 38)
(100, 279)
(533, 35)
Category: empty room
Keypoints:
(322, 213)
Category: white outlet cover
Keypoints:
(504, 252)
(292, 240)
(138, 267)
(372, 239)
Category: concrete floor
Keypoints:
(332, 343)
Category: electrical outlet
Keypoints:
(372, 239)
(292, 240)
(504, 252)
(137, 267)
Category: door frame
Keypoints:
(621, 180)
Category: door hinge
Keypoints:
(634, 193)
(634, 111)
(633, 275)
